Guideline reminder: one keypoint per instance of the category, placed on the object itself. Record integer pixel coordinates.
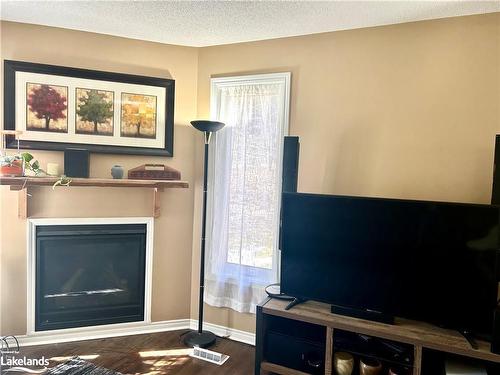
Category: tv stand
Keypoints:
(424, 339)
(294, 302)
(372, 315)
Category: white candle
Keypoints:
(53, 169)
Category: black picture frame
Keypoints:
(10, 69)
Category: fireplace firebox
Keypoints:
(88, 275)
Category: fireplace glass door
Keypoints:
(89, 275)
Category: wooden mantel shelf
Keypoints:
(17, 183)
(22, 184)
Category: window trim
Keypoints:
(215, 84)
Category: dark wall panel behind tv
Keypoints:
(495, 194)
(290, 163)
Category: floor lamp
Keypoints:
(201, 338)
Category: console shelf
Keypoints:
(417, 334)
(22, 184)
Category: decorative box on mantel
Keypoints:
(154, 172)
(22, 184)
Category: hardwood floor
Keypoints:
(152, 354)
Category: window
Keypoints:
(245, 188)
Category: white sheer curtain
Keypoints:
(245, 190)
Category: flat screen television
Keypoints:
(430, 261)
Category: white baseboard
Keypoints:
(230, 333)
(127, 329)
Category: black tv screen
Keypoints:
(431, 261)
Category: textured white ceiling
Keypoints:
(205, 23)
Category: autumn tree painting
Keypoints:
(138, 116)
(94, 110)
(46, 108)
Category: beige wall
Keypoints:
(173, 230)
(408, 110)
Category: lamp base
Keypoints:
(202, 340)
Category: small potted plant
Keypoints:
(11, 165)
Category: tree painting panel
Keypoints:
(138, 116)
(94, 112)
(47, 108)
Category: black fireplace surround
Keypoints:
(89, 275)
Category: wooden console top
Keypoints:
(406, 331)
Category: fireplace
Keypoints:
(89, 274)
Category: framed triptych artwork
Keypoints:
(58, 107)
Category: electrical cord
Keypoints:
(274, 291)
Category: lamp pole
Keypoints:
(203, 235)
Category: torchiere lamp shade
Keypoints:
(207, 126)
